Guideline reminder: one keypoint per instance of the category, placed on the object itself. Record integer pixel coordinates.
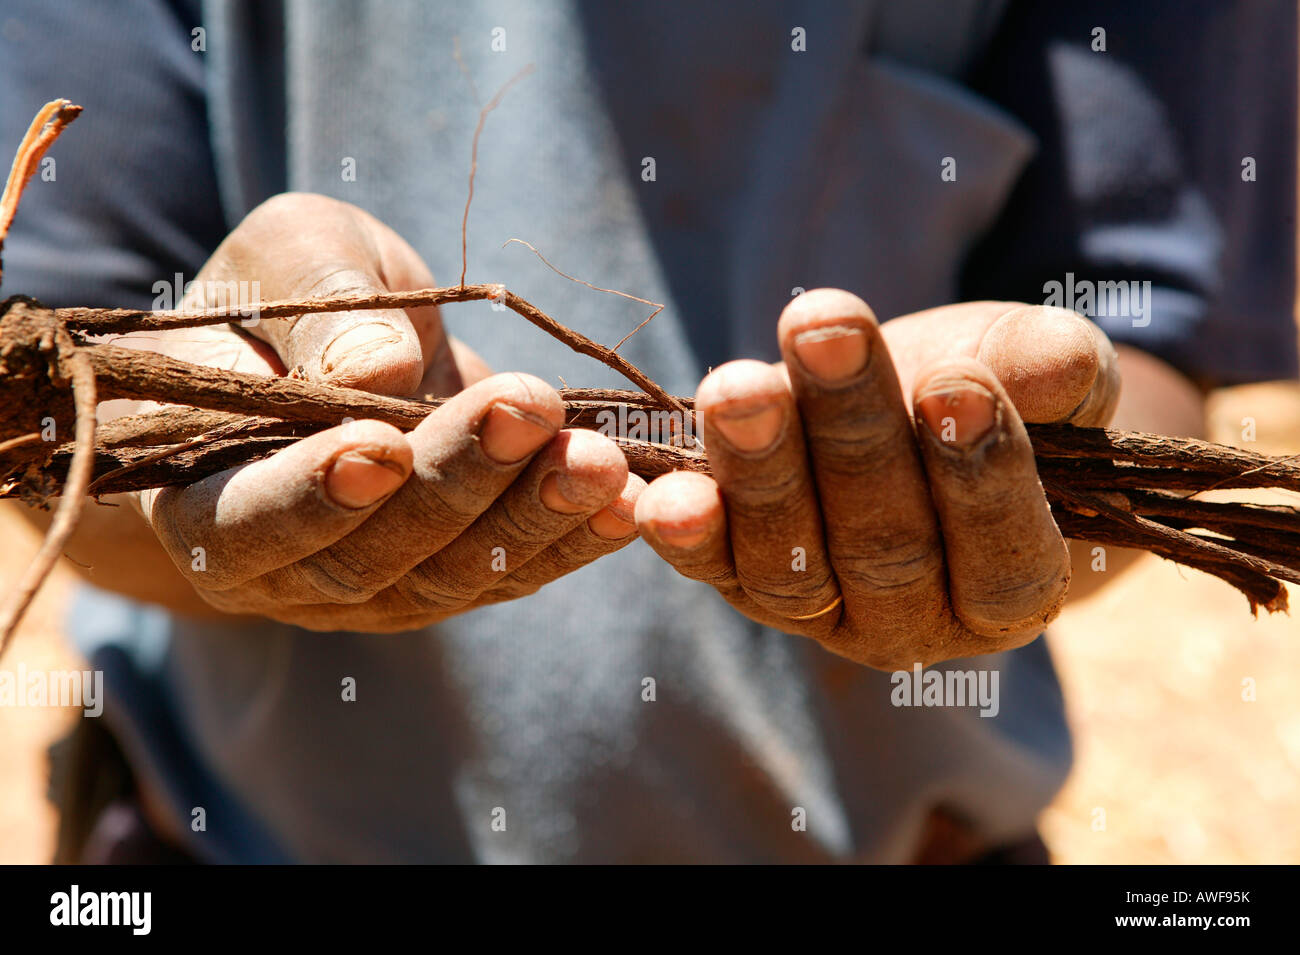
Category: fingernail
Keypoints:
(355, 480)
(357, 342)
(958, 415)
(750, 427)
(509, 435)
(569, 494)
(613, 522)
(682, 537)
(833, 354)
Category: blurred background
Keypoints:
(1182, 769)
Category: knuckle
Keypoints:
(799, 609)
(719, 574)
(338, 277)
(897, 562)
(862, 443)
(792, 595)
(430, 588)
(448, 500)
(578, 549)
(338, 578)
(780, 493)
(524, 520)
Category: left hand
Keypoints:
(889, 535)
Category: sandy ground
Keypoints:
(1173, 765)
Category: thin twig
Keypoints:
(95, 321)
(1277, 462)
(612, 291)
(473, 164)
(52, 120)
(464, 70)
(21, 441)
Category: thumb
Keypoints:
(376, 351)
(301, 246)
(1056, 366)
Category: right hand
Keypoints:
(362, 527)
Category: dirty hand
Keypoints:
(361, 526)
(877, 492)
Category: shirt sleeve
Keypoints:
(131, 197)
(1167, 155)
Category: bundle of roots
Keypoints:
(1118, 488)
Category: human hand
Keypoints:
(361, 526)
(889, 536)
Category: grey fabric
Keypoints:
(775, 170)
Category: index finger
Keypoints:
(234, 526)
(881, 528)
